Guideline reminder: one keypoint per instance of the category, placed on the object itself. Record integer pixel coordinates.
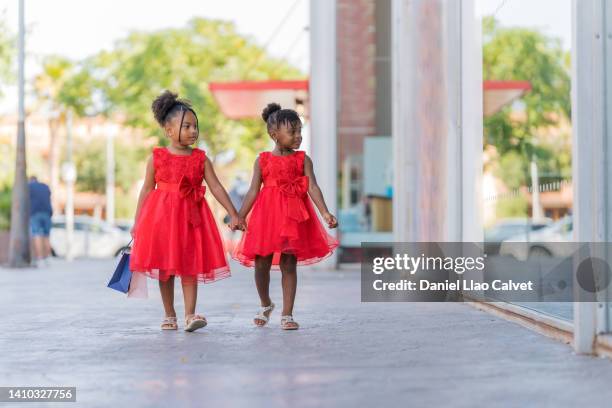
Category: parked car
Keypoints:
(546, 242)
(495, 235)
(125, 224)
(93, 238)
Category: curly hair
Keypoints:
(275, 116)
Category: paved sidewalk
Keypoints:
(63, 327)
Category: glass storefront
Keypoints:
(527, 154)
(364, 127)
(529, 173)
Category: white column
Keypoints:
(69, 176)
(472, 132)
(591, 212)
(437, 120)
(323, 106)
(454, 80)
(403, 73)
(110, 133)
(465, 122)
(537, 212)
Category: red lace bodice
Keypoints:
(281, 167)
(169, 167)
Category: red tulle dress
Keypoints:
(176, 233)
(283, 219)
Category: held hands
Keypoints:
(331, 220)
(237, 223)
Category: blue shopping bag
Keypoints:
(121, 278)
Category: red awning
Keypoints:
(498, 94)
(246, 99)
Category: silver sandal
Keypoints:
(194, 322)
(262, 315)
(287, 323)
(169, 323)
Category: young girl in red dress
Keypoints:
(283, 229)
(175, 233)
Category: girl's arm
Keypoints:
(148, 185)
(317, 196)
(251, 195)
(220, 194)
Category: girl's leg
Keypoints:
(262, 281)
(190, 295)
(167, 293)
(193, 321)
(262, 278)
(288, 266)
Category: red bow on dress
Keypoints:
(194, 192)
(295, 210)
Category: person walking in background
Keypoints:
(40, 220)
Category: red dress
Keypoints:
(176, 233)
(283, 219)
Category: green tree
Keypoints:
(5, 207)
(186, 60)
(527, 55)
(62, 85)
(7, 54)
(90, 160)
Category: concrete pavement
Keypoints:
(61, 326)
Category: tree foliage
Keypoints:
(63, 85)
(185, 60)
(90, 161)
(524, 54)
(7, 54)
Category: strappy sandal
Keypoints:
(263, 315)
(287, 323)
(194, 322)
(169, 323)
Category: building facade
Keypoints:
(396, 93)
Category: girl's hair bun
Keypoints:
(269, 110)
(163, 104)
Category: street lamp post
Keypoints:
(69, 175)
(19, 246)
(111, 133)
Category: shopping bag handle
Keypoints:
(128, 247)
